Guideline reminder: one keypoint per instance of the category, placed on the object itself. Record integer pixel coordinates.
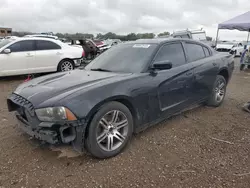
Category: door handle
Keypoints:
(181, 81)
(29, 55)
(59, 53)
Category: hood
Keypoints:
(60, 85)
(226, 46)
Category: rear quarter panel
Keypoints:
(72, 52)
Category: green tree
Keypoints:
(99, 36)
(131, 36)
(110, 35)
(209, 38)
(166, 33)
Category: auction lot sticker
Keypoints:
(141, 46)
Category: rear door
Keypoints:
(174, 84)
(48, 56)
(205, 69)
(16, 62)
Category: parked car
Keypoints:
(37, 55)
(225, 46)
(43, 36)
(89, 47)
(199, 35)
(238, 49)
(124, 90)
(98, 43)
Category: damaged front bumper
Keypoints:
(51, 132)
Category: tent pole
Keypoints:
(216, 40)
(248, 36)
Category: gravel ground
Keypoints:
(205, 147)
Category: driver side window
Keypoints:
(173, 53)
(22, 46)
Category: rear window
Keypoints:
(46, 45)
(207, 52)
(194, 52)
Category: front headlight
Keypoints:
(55, 114)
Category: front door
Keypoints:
(174, 85)
(16, 62)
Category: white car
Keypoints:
(224, 46)
(238, 50)
(37, 55)
(43, 36)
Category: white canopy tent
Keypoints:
(241, 23)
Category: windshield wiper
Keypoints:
(100, 69)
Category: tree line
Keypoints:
(109, 35)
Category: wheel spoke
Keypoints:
(115, 116)
(221, 92)
(112, 130)
(102, 137)
(119, 136)
(121, 124)
(221, 85)
(104, 123)
(110, 143)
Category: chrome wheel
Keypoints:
(220, 91)
(67, 66)
(112, 130)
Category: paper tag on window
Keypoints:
(141, 46)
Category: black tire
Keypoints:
(242, 66)
(68, 61)
(213, 101)
(91, 143)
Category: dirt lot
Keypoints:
(205, 147)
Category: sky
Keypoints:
(122, 16)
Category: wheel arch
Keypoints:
(125, 100)
(224, 72)
(65, 59)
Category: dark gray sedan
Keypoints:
(124, 90)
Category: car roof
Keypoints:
(162, 40)
(36, 38)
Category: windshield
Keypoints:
(129, 58)
(4, 42)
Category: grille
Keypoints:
(21, 101)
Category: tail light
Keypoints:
(83, 53)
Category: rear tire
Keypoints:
(66, 65)
(218, 93)
(109, 131)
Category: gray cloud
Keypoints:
(120, 16)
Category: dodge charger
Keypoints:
(123, 91)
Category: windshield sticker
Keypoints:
(141, 46)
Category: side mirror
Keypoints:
(7, 51)
(162, 65)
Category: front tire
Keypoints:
(218, 93)
(109, 131)
(66, 65)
